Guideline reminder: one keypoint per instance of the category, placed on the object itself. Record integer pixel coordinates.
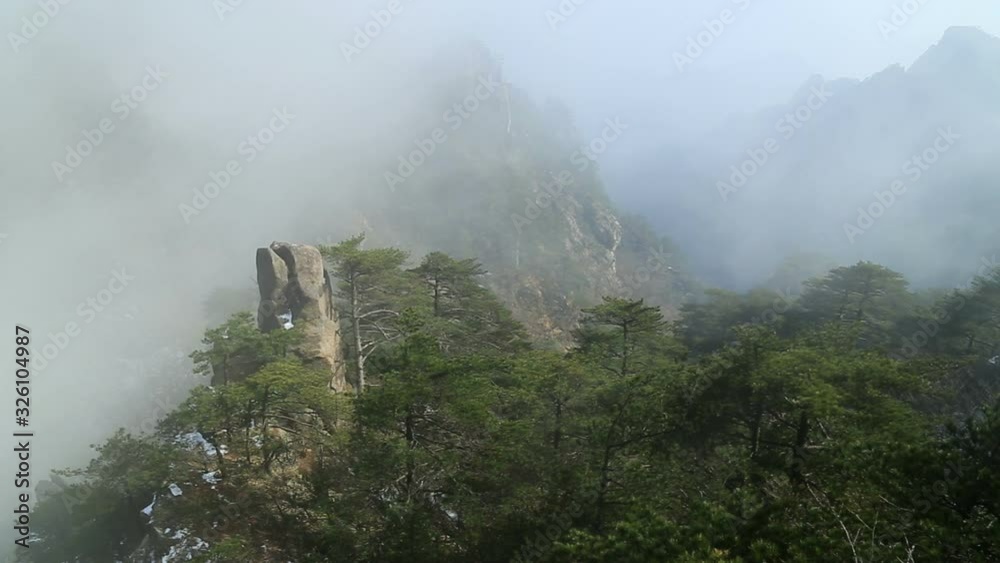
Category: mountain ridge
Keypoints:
(850, 148)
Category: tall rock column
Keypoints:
(296, 292)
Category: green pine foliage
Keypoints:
(741, 432)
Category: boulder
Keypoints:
(296, 291)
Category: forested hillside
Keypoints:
(484, 171)
(853, 423)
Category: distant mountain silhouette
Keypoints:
(827, 168)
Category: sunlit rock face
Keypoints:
(296, 292)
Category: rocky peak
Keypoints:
(963, 50)
(296, 292)
(968, 36)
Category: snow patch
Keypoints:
(193, 439)
(148, 511)
(186, 550)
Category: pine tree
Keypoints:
(371, 289)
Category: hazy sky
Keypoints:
(607, 46)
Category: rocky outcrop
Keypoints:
(296, 292)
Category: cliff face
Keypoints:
(549, 279)
(296, 292)
(517, 186)
(588, 251)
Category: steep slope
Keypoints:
(489, 173)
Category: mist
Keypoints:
(119, 246)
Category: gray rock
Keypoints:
(297, 291)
